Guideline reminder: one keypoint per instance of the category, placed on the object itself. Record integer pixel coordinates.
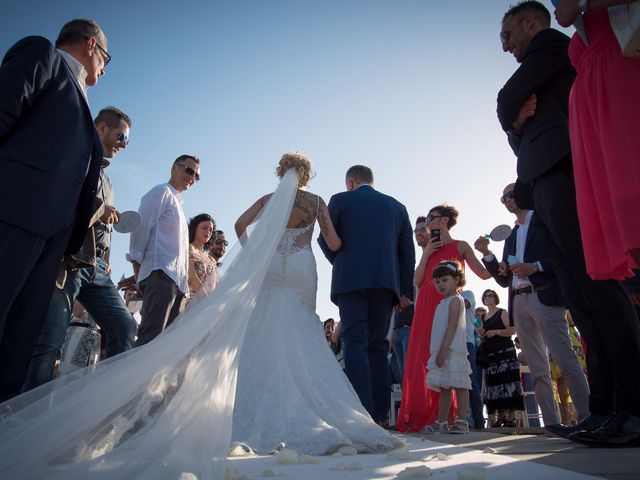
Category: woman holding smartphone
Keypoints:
(419, 406)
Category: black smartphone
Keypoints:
(435, 234)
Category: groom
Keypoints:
(372, 273)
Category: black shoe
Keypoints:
(587, 424)
(621, 429)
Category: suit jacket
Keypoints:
(377, 243)
(534, 251)
(546, 71)
(50, 153)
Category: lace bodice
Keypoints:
(295, 239)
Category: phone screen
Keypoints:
(435, 234)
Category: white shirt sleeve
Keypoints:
(151, 207)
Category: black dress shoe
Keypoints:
(587, 424)
(621, 429)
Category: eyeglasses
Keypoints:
(105, 54)
(431, 217)
(419, 229)
(504, 197)
(190, 171)
(123, 138)
(504, 36)
(219, 241)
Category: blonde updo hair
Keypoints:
(300, 162)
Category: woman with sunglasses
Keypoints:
(419, 406)
(503, 392)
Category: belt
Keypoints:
(529, 289)
(101, 251)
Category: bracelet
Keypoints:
(499, 333)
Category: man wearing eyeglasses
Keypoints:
(536, 309)
(50, 159)
(533, 110)
(88, 279)
(159, 249)
(218, 246)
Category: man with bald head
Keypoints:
(537, 310)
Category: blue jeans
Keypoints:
(475, 416)
(400, 347)
(93, 288)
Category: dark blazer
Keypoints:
(534, 251)
(546, 71)
(377, 243)
(50, 153)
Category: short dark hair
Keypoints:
(79, 30)
(187, 157)
(450, 268)
(421, 219)
(448, 211)
(218, 232)
(197, 220)
(328, 320)
(484, 294)
(360, 174)
(536, 8)
(112, 116)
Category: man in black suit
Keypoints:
(372, 272)
(536, 309)
(533, 110)
(50, 157)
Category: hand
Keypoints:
(442, 357)
(566, 12)
(432, 247)
(481, 331)
(491, 333)
(109, 269)
(503, 269)
(523, 270)
(527, 110)
(110, 215)
(482, 245)
(126, 283)
(404, 302)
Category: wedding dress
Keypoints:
(165, 410)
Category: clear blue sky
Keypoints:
(407, 87)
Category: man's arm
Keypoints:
(546, 56)
(151, 207)
(26, 72)
(406, 256)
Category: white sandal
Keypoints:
(459, 426)
(435, 428)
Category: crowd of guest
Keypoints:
(576, 237)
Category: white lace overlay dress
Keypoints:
(290, 388)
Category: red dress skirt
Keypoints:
(604, 122)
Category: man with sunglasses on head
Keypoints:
(159, 249)
(50, 159)
(88, 278)
(537, 310)
(533, 109)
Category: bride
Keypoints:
(247, 363)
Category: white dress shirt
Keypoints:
(521, 241)
(161, 242)
(78, 72)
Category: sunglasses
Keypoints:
(123, 138)
(219, 241)
(431, 217)
(504, 197)
(419, 229)
(190, 171)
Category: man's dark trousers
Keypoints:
(365, 316)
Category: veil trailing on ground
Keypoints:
(160, 410)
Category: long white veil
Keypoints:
(159, 410)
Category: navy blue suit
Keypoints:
(372, 269)
(50, 157)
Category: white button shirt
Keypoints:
(521, 241)
(161, 242)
